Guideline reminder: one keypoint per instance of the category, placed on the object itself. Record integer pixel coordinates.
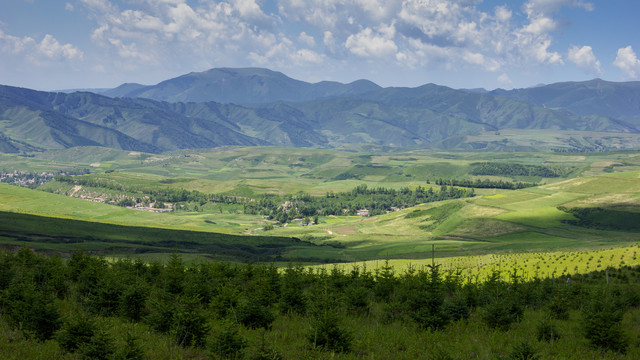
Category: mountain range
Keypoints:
(252, 106)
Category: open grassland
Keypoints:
(288, 170)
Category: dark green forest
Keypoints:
(90, 308)
(485, 183)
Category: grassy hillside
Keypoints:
(494, 221)
(65, 236)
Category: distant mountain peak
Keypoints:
(249, 85)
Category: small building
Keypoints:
(362, 212)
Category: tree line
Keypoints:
(485, 183)
(512, 169)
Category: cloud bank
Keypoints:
(338, 35)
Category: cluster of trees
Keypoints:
(376, 200)
(602, 218)
(510, 169)
(205, 306)
(485, 183)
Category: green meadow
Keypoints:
(495, 221)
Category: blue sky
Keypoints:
(63, 44)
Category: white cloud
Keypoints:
(504, 79)
(48, 49)
(248, 9)
(540, 26)
(68, 6)
(502, 13)
(307, 39)
(52, 49)
(628, 62)
(366, 43)
(433, 18)
(583, 57)
(328, 40)
(173, 33)
(130, 50)
(306, 56)
(13, 44)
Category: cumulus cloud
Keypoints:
(502, 13)
(583, 57)
(628, 62)
(52, 49)
(370, 43)
(248, 9)
(414, 33)
(13, 44)
(307, 39)
(172, 32)
(47, 49)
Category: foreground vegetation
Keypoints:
(87, 307)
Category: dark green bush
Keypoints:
(35, 312)
(523, 351)
(227, 344)
(546, 330)
(325, 332)
(75, 332)
(502, 312)
(160, 307)
(99, 347)
(131, 349)
(189, 326)
(601, 323)
(456, 308)
(132, 302)
(254, 315)
(559, 306)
